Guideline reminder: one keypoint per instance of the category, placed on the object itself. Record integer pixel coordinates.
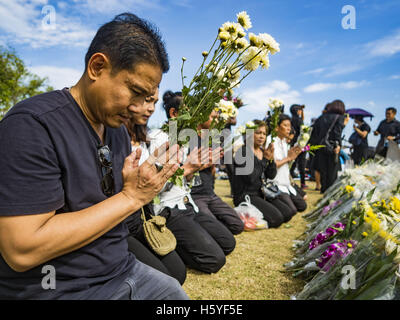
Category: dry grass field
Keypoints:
(254, 270)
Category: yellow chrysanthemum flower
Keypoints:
(349, 189)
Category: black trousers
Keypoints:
(300, 164)
(360, 153)
(202, 241)
(229, 168)
(214, 206)
(328, 170)
(275, 212)
(170, 264)
(296, 203)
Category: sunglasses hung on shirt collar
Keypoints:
(105, 157)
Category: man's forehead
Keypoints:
(142, 85)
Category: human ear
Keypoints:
(97, 65)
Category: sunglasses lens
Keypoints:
(107, 183)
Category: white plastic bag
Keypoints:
(252, 218)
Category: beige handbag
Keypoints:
(158, 236)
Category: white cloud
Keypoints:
(58, 77)
(395, 77)
(315, 71)
(24, 23)
(117, 6)
(386, 46)
(321, 86)
(257, 99)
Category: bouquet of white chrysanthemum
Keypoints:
(304, 137)
(226, 109)
(249, 125)
(230, 60)
(276, 108)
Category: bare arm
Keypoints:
(292, 155)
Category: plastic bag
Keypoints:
(252, 218)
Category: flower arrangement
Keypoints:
(248, 125)
(304, 137)
(322, 237)
(231, 58)
(276, 108)
(366, 200)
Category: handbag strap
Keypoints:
(331, 127)
(143, 215)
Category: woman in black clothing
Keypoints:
(170, 264)
(275, 212)
(360, 141)
(326, 162)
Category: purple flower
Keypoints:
(329, 207)
(327, 234)
(335, 252)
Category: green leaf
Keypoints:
(376, 290)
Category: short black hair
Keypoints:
(128, 40)
(392, 109)
(283, 117)
(171, 100)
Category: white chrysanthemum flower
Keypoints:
(255, 40)
(275, 103)
(229, 27)
(233, 74)
(306, 136)
(303, 143)
(224, 36)
(250, 124)
(251, 58)
(221, 74)
(241, 44)
(269, 42)
(305, 128)
(264, 60)
(244, 20)
(232, 110)
(241, 130)
(235, 85)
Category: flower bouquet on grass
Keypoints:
(351, 249)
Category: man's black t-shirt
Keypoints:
(364, 141)
(49, 162)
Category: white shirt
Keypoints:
(176, 196)
(282, 178)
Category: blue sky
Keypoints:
(319, 60)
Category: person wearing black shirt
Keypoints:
(69, 179)
(297, 112)
(205, 198)
(360, 140)
(388, 129)
(326, 162)
(275, 212)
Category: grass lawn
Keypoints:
(254, 270)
